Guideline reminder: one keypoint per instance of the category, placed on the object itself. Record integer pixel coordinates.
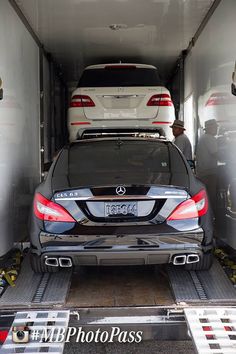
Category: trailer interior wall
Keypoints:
(207, 86)
(209, 67)
(54, 104)
(48, 141)
(76, 33)
(19, 125)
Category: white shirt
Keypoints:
(206, 155)
(183, 143)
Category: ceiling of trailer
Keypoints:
(82, 32)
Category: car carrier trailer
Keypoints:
(44, 47)
(165, 303)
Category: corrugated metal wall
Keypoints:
(19, 125)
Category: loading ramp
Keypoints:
(37, 290)
(184, 299)
(212, 329)
(201, 287)
(34, 320)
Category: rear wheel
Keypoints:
(38, 266)
(205, 263)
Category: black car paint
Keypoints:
(53, 184)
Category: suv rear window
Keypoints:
(120, 161)
(119, 77)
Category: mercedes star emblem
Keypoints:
(120, 190)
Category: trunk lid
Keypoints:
(120, 102)
(109, 204)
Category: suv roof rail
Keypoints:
(91, 133)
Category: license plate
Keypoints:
(121, 209)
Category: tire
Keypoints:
(205, 263)
(39, 267)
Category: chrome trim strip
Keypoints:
(121, 96)
(126, 197)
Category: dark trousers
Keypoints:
(210, 182)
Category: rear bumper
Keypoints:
(74, 126)
(125, 250)
(104, 258)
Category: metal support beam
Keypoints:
(202, 26)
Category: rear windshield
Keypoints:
(120, 161)
(119, 77)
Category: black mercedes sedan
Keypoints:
(120, 201)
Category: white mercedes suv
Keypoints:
(120, 95)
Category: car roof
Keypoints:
(102, 66)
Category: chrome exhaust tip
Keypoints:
(180, 259)
(192, 258)
(65, 262)
(51, 261)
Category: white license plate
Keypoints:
(121, 209)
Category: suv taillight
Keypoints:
(219, 98)
(81, 101)
(162, 99)
(191, 208)
(46, 210)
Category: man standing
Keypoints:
(206, 159)
(181, 140)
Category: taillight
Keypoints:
(219, 98)
(47, 210)
(161, 122)
(81, 101)
(191, 208)
(80, 123)
(162, 99)
(201, 201)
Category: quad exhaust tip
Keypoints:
(192, 258)
(51, 261)
(182, 259)
(64, 262)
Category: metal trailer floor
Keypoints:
(211, 286)
(119, 286)
(34, 290)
